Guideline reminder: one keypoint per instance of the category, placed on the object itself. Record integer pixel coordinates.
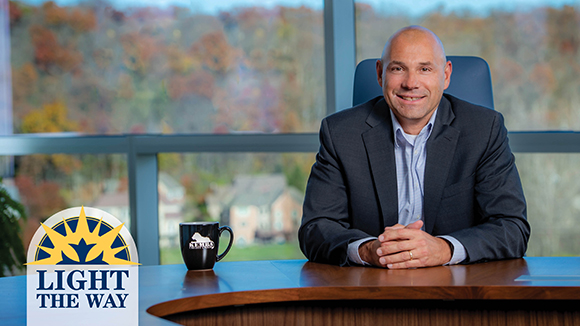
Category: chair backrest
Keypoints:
(470, 81)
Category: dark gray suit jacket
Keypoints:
(472, 187)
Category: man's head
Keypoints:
(413, 72)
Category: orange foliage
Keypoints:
(15, 13)
(200, 83)
(48, 52)
(291, 123)
(29, 72)
(253, 106)
(214, 51)
(542, 76)
(66, 163)
(51, 118)
(510, 71)
(42, 199)
(46, 47)
(139, 50)
(103, 57)
(53, 14)
(82, 21)
(24, 81)
(569, 46)
(179, 61)
(78, 20)
(138, 128)
(250, 18)
(125, 89)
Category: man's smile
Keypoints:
(410, 98)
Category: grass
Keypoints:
(254, 252)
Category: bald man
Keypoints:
(413, 178)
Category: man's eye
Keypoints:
(425, 69)
(396, 69)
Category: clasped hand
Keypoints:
(406, 247)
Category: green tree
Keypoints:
(11, 249)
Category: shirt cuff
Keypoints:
(352, 251)
(458, 255)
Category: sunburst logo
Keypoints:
(82, 240)
(82, 269)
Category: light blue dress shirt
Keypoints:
(410, 157)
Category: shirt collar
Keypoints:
(399, 132)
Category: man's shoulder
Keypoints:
(469, 113)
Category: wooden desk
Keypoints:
(530, 291)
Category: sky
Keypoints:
(408, 8)
(477, 7)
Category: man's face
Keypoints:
(413, 75)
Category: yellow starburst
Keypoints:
(67, 244)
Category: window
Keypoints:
(243, 191)
(102, 67)
(144, 68)
(553, 195)
(154, 78)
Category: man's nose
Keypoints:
(411, 80)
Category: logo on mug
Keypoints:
(200, 242)
(82, 266)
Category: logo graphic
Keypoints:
(82, 268)
(82, 240)
(200, 242)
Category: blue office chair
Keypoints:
(470, 81)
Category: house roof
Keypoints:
(257, 190)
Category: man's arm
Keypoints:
(504, 230)
(325, 231)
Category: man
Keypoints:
(414, 178)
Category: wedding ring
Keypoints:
(410, 254)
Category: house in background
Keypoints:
(115, 203)
(171, 203)
(259, 208)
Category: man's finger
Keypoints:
(399, 234)
(395, 227)
(396, 258)
(417, 225)
(393, 247)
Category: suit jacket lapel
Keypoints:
(379, 144)
(440, 150)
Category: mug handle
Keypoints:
(222, 229)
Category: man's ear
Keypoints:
(448, 70)
(379, 67)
